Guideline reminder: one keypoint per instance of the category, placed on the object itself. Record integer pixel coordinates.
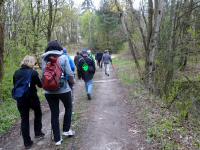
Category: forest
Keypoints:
(161, 39)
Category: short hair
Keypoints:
(28, 61)
(54, 45)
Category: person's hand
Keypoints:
(71, 80)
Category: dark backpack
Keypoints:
(22, 87)
(51, 80)
(86, 67)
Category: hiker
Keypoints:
(90, 54)
(86, 69)
(106, 60)
(76, 58)
(24, 92)
(98, 58)
(72, 66)
(57, 88)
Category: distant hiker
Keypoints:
(72, 66)
(86, 69)
(106, 60)
(25, 93)
(90, 54)
(98, 58)
(76, 58)
(55, 67)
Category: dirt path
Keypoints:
(110, 124)
(106, 121)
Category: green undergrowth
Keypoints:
(8, 115)
(126, 70)
(165, 128)
(8, 109)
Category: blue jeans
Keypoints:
(89, 86)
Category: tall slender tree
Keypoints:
(1, 39)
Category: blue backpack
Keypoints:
(22, 86)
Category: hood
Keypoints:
(53, 52)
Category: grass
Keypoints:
(8, 115)
(126, 70)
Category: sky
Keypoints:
(96, 3)
(79, 2)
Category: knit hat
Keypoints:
(64, 50)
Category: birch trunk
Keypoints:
(153, 45)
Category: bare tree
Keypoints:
(150, 36)
(1, 39)
(127, 32)
(153, 41)
(35, 17)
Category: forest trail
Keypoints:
(107, 121)
(108, 118)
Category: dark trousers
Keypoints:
(53, 100)
(24, 107)
(99, 63)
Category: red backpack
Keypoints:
(51, 80)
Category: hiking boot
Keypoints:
(70, 133)
(29, 145)
(89, 96)
(40, 136)
(59, 142)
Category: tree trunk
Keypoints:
(132, 46)
(171, 49)
(1, 40)
(153, 45)
(50, 21)
(185, 26)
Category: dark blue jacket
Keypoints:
(35, 80)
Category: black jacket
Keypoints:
(35, 80)
(86, 75)
(76, 59)
(99, 56)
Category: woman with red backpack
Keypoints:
(55, 68)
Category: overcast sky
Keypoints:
(96, 3)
